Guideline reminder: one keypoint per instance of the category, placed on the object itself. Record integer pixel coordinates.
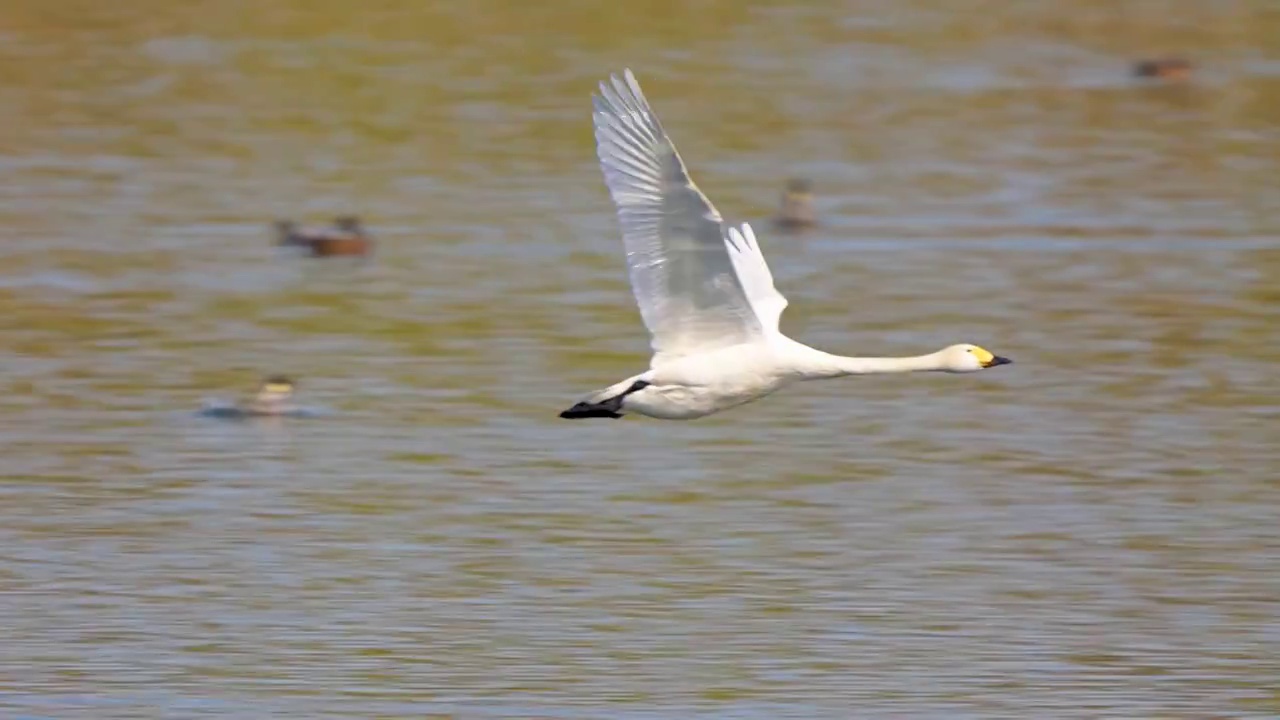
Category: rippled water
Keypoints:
(1088, 533)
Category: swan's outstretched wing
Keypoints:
(685, 282)
(757, 281)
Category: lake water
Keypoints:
(1088, 533)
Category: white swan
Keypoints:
(704, 289)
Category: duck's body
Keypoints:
(704, 289)
(1173, 69)
(346, 237)
(222, 411)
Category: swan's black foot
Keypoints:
(611, 408)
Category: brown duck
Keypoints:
(1173, 69)
(346, 237)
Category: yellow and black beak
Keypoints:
(997, 360)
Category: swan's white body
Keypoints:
(704, 289)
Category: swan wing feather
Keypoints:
(682, 267)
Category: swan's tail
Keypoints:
(605, 403)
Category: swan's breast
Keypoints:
(683, 402)
(738, 366)
(700, 385)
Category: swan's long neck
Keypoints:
(825, 365)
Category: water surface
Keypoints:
(1088, 533)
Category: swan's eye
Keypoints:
(968, 350)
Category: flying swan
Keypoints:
(704, 289)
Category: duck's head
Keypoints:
(285, 231)
(965, 358)
(273, 393)
(799, 186)
(347, 223)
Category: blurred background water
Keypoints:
(1088, 533)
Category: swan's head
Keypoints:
(969, 358)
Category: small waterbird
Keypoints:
(346, 237)
(271, 400)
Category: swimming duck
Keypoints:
(796, 209)
(704, 289)
(1174, 69)
(271, 400)
(346, 237)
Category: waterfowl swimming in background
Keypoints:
(346, 237)
(796, 211)
(1174, 69)
(704, 289)
(271, 400)
(273, 396)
